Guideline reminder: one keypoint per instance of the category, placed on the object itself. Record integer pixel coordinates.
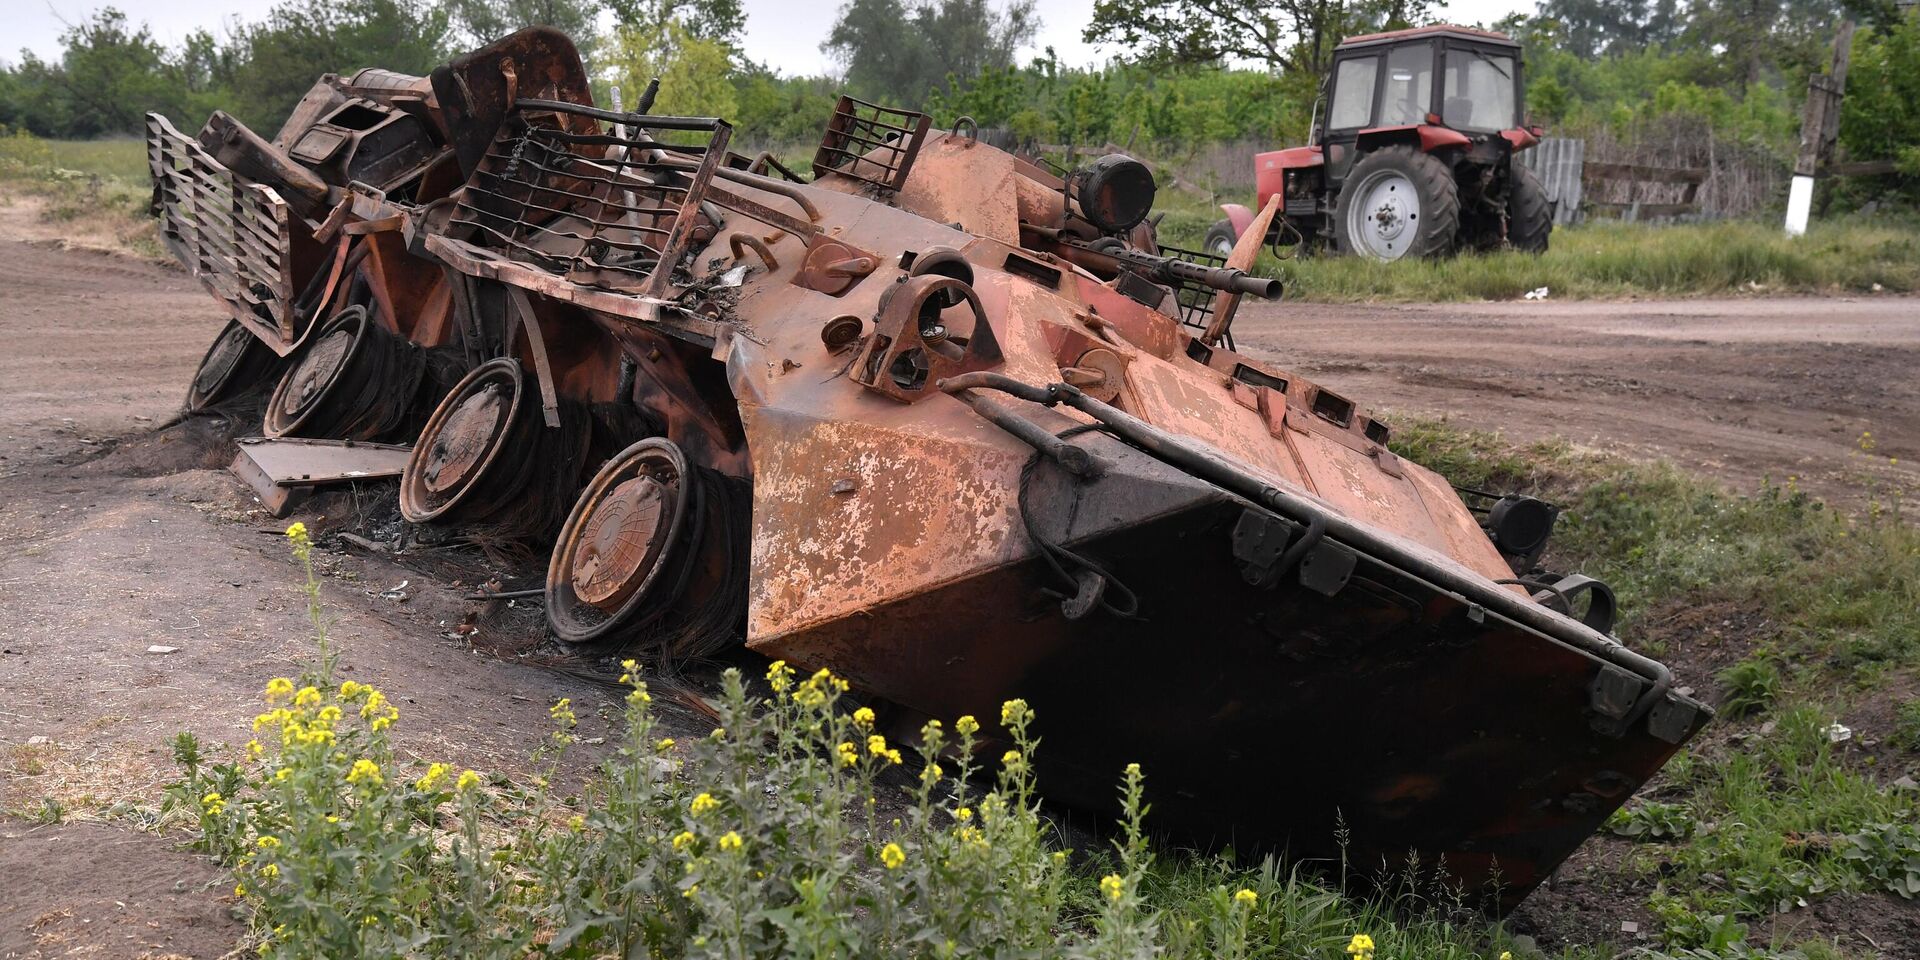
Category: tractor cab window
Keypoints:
(1353, 94)
(1408, 95)
(1479, 90)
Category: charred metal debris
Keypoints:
(936, 418)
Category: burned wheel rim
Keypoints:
(234, 361)
(463, 440)
(620, 558)
(312, 382)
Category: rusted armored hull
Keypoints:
(939, 420)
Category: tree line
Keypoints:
(1188, 72)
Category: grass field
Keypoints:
(1609, 260)
(94, 193)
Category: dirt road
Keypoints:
(1736, 389)
(117, 537)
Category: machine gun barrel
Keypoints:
(1219, 278)
(1175, 270)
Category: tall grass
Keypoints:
(1620, 259)
(1605, 260)
(94, 193)
(1772, 809)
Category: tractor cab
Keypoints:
(1425, 122)
(1382, 91)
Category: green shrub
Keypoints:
(1752, 686)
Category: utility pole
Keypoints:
(1819, 129)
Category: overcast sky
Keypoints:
(784, 33)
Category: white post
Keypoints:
(1799, 205)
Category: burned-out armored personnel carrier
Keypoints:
(938, 417)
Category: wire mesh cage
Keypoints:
(870, 143)
(611, 202)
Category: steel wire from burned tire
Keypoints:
(651, 558)
(353, 381)
(234, 363)
(1398, 203)
(1529, 215)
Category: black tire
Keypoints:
(1430, 230)
(1529, 216)
(1221, 232)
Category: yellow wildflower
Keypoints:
(703, 804)
(367, 770)
(1506, 955)
(1113, 887)
(730, 841)
(270, 871)
(665, 744)
(683, 840)
(352, 689)
(239, 889)
(297, 532)
(214, 803)
(892, 856)
(282, 773)
(1133, 769)
(691, 891)
(877, 745)
(893, 757)
(931, 773)
(562, 712)
(268, 842)
(255, 750)
(375, 701)
(278, 687)
(967, 725)
(779, 676)
(963, 814)
(307, 697)
(1360, 947)
(468, 780)
(849, 754)
(1246, 897)
(863, 717)
(329, 715)
(435, 773)
(1013, 712)
(576, 823)
(1010, 759)
(639, 695)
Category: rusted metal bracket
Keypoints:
(542, 367)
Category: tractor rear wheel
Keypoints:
(1529, 217)
(1398, 203)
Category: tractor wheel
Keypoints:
(1220, 239)
(1398, 203)
(1529, 217)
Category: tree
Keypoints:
(693, 71)
(903, 50)
(302, 39)
(1282, 35)
(719, 21)
(483, 21)
(109, 74)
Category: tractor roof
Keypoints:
(1438, 29)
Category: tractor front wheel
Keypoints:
(1220, 239)
(1398, 203)
(1529, 217)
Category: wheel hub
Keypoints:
(316, 370)
(226, 354)
(623, 540)
(463, 440)
(1385, 220)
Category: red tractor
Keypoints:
(1399, 165)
